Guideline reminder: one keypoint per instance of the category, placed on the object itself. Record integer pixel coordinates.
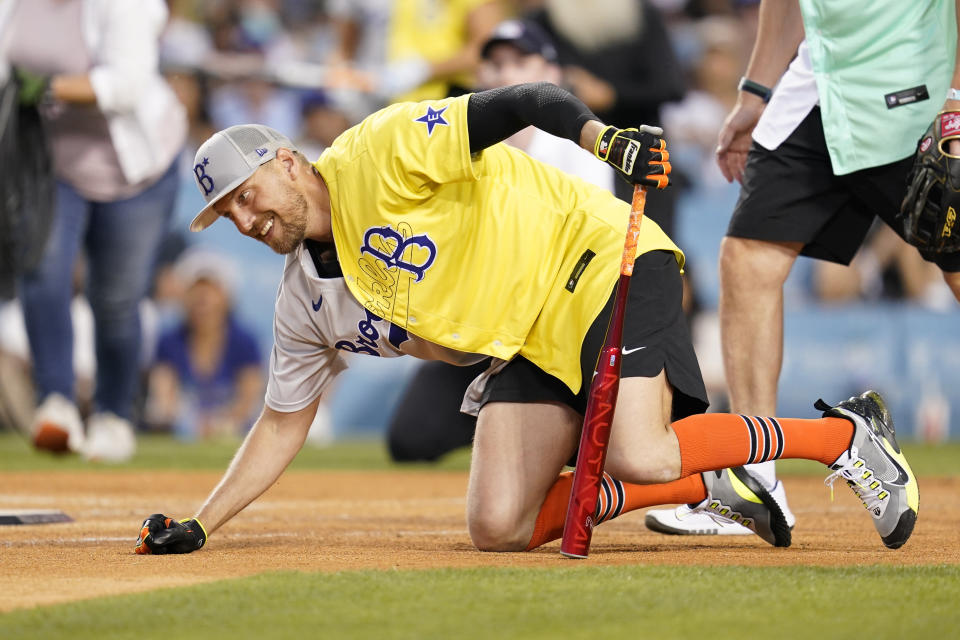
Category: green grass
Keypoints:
(162, 452)
(582, 602)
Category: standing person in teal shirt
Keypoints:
(822, 137)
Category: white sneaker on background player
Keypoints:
(57, 426)
(687, 520)
(109, 439)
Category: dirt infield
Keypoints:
(380, 520)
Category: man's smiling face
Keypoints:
(267, 207)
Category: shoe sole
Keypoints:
(902, 531)
(655, 525)
(782, 536)
(51, 438)
(908, 519)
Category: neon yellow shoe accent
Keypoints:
(913, 491)
(742, 489)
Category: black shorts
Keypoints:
(790, 194)
(655, 337)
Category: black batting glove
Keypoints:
(160, 534)
(639, 155)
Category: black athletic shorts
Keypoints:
(790, 194)
(655, 337)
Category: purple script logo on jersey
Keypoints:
(368, 335)
(205, 181)
(387, 256)
(395, 260)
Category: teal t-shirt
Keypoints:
(864, 52)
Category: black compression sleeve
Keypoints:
(497, 114)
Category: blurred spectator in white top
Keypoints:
(116, 129)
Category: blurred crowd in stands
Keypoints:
(312, 68)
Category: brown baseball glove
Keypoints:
(929, 210)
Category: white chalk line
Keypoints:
(230, 536)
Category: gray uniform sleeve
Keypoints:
(300, 368)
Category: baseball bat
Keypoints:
(601, 403)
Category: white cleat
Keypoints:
(685, 520)
(57, 426)
(109, 439)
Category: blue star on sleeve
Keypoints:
(432, 118)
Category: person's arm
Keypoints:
(348, 39)
(950, 104)
(128, 46)
(954, 105)
(74, 88)
(779, 34)
(496, 114)
(639, 155)
(127, 55)
(481, 21)
(267, 450)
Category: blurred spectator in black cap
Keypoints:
(323, 121)
(525, 35)
(521, 51)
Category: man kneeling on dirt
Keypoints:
(418, 233)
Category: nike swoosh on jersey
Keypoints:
(316, 305)
(627, 352)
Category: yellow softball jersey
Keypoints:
(494, 253)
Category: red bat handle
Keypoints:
(601, 403)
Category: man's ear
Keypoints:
(287, 161)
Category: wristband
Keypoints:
(953, 94)
(601, 147)
(755, 88)
(203, 538)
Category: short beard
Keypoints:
(294, 226)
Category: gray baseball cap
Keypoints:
(228, 158)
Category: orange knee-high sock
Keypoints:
(710, 441)
(615, 498)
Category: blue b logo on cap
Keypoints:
(205, 181)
